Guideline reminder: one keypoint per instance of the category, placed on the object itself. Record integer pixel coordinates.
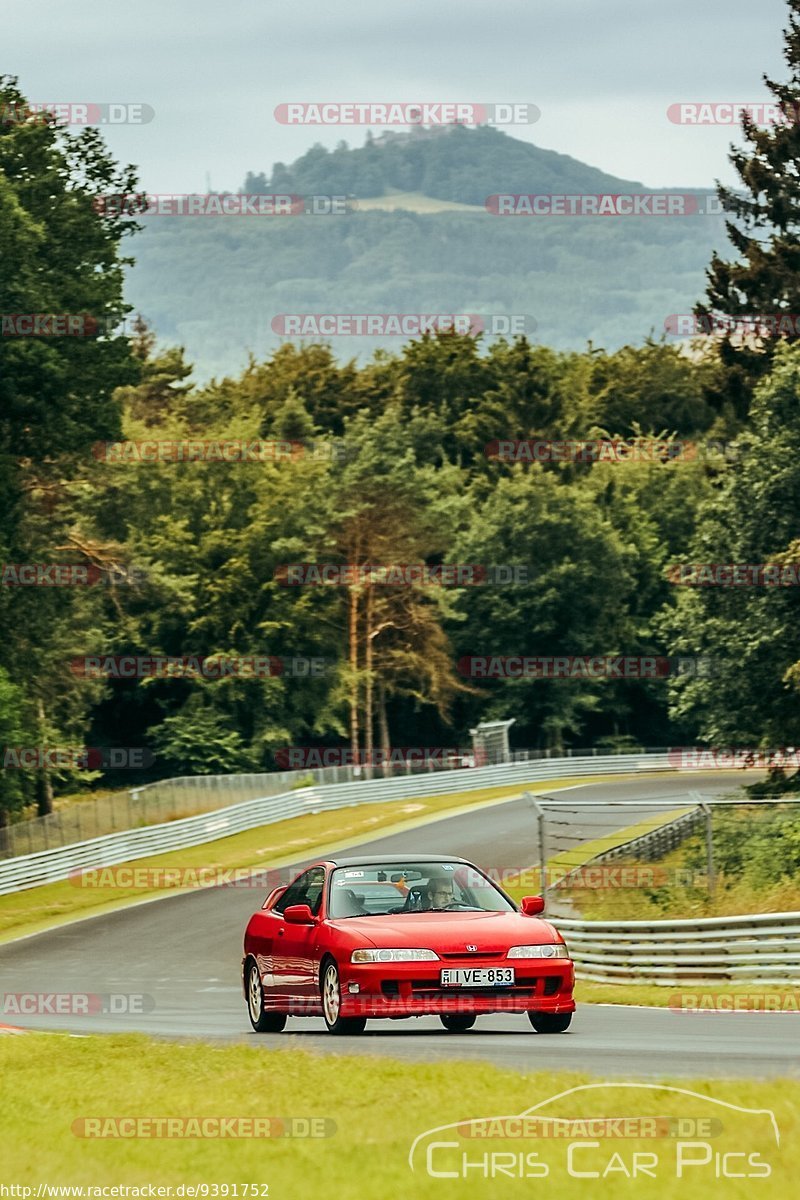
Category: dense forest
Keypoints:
(147, 517)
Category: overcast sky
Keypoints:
(603, 73)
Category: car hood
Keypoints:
(452, 931)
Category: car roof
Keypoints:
(375, 860)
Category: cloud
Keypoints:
(602, 73)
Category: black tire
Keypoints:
(550, 1022)
(261, 1020)
(457, 1022)
(331, 995)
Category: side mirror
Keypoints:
(298, 914)
(532, 905)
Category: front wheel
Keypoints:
(457, 1022)
(261, 1020)
(332, 1004)
(550, 1022)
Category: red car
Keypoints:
(361, 937)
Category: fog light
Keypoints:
(353, 989)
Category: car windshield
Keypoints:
(398, 887)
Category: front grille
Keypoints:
(475, 955)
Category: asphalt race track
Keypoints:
(183, 953)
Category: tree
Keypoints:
(56, 393)
(576, 600)
(61, 256)
(751, 633)
(385, 508)
(764, 228)
(200, 741)
(14, 730)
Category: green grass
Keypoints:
(561, 864)
(666, 996)
(686, 894)
(379, 1108)
(51, 904)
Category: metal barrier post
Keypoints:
(540, 822)
(709, 849)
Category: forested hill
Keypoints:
(452, 163)
(403, 250)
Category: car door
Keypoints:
(293, 955)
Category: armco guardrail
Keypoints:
(657, 843)
(47, 866)
(750, 949)
(174, 798)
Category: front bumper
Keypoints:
(413, 989)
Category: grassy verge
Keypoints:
(375, 1110)
(750, 885)
(39, 908)
(685, 995)
(559, 866)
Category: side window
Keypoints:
(306, 889)
(294, 894)
(314, 889)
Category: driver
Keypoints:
(438, 894)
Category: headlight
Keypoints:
(373, 956)
(550, 950)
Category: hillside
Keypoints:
(451, 163)
(216, 285)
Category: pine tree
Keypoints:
(764, 229)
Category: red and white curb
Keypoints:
(11, 1029)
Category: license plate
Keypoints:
(478, 977)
